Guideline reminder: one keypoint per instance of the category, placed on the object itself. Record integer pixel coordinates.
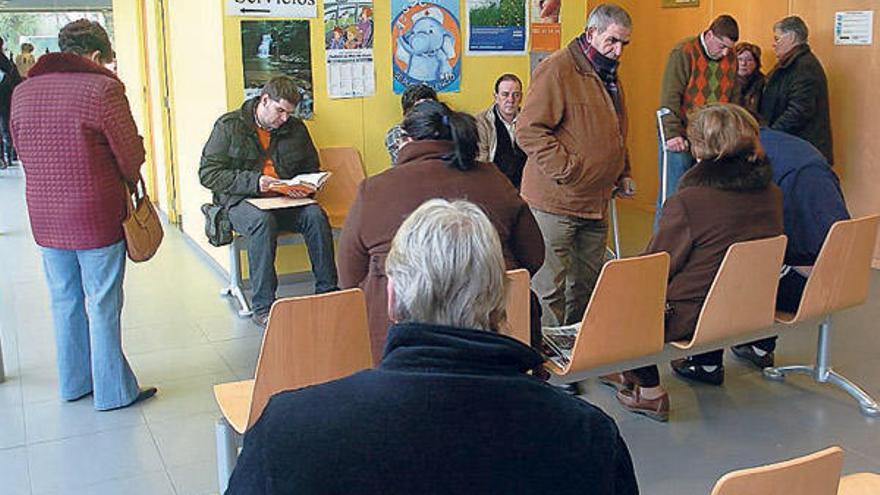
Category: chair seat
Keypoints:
(234, 399)
(859, 484)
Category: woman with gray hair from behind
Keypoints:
(451, 408)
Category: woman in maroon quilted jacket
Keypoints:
(79, 145)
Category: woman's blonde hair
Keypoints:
(446, 268)
(720, 130)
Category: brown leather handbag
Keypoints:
(143, 230)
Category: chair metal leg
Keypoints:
(822, 373)
(228, 441)
(234, 289)
(2, 372)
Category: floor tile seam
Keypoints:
(84, 434)
(165, 466)
(108, 480)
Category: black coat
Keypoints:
(448, 411)
(232, 160)
(795, 100)
(11, 79)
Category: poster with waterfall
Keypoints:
(274, 48)
(348, 44)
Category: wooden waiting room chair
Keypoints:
(336, 197)
(308, 340)
(742, 297)
(518, 306)
(859, 484)
(814, 474)
(624, 318)
(838, 280)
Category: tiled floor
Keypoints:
(183, 338)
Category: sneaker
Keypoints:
(260, 319)
(656, 409)
(749, 353)
(689, 370)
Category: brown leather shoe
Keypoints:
(656, 409)
(616, 381)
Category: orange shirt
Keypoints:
(268, 166)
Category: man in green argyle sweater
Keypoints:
(700, 69)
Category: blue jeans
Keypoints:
(85, 288)
(677, 164)
(261, 228)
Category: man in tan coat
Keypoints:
(573, 129)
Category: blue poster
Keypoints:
(426, 44)
(496, 27)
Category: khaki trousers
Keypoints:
(574, 253)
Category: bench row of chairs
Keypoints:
(622, 327)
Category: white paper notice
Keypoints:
(350, 73)
(854, 27)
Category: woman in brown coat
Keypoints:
(437, 161)
(727, 197)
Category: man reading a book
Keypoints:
(250, 153)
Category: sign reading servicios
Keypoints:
(272, 8)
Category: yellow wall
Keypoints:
(206, 80)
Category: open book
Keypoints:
(308, 183)
(558, 343)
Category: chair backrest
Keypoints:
(859, 484)
(839, 279)
(518, 306)
(624, 318)
(742, 297)
(813, 474)
(338, 194)
(311, 340)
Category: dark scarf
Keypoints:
(606, 69)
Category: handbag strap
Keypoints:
(137, 192)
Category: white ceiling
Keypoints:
(55, 5)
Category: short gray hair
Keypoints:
(446, 267)
(796, 25)
(606, 14)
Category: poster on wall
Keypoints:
(348, 40)
(545, 33)
(854, 27)
(426, 44)
(496, 27)
(274, 48)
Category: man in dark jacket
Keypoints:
(249, 150)
(451, 408)
(795, 99)
(812, 202)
